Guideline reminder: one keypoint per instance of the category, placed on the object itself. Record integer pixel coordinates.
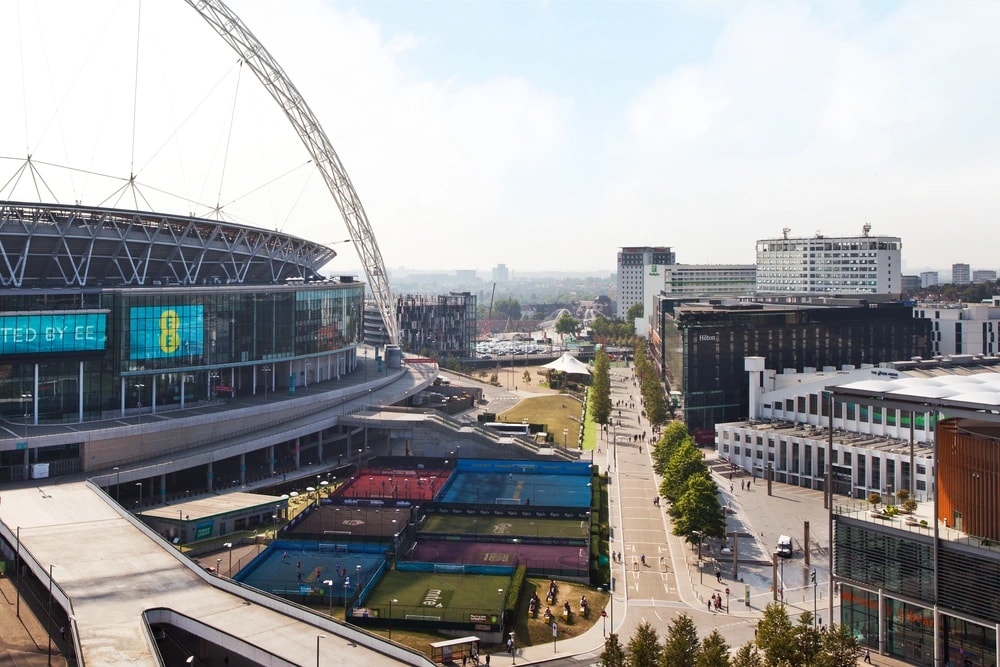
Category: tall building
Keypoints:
(703, 345)
(640, 273)
(962, 328)
(984, 276)
(929, 279)
(830, 265)
(911, 283)
(501, 273)
(960, 274)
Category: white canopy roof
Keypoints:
(567, 363)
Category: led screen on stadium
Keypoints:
(52, 332)
(157, 332)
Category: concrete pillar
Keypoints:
(755, 367)
(298, 460)
(209, 475)
(319, 445)
(270, 460)
(243, 469)
(163, 489)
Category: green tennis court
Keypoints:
(431, 596)
(505, 525)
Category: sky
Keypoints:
(543, 135)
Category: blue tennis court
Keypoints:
(517, 488)
(300, 569)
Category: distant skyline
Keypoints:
(540, 135)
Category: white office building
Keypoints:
(830, 265)
(929, 279)
(984, 276)
(640, 275)
(962, 328)
(699, 280)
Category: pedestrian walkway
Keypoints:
(672, 580)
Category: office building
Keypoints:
(984, 276)
(830, 265)
(910, 284)
(929, 279)
(501, 273)
(960, 274)
(700, 280)
(640, 275)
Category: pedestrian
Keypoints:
(730, 488)
(709, 602)
(487, 660)
(868, 656)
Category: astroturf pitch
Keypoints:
(452, 597)
(505, 525)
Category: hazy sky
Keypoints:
(542, 135)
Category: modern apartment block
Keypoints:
(960, 274)
(501, 273)
(929, 278)
(640, 273)
(441, 325)
(962, 328)
(830, 265)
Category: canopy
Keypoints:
(567, 363)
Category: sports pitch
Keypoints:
(438, 597)
(505, 525)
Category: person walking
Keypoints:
(868, 656)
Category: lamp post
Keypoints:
(274, 531)
(26, 399)
(391, 600)
(318, 637)
(329, 586)
(49, 624)
(266, 370)
(565, 434)
(358, 568)
(218, 566)
(139, 503)
(118, 479)
(229, 545)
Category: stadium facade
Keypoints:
(108, 314)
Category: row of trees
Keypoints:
(613, 332)
(600, 389)
(778, 643)
(687, 485)
(654, 399)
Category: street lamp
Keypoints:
(266, 370)
(139, 484)
(229, 545)
(358, 567)
(274, 532)
(318, 637)
(391, 600)
(118, 479)
(218, 566)
(49, 624)
(329, 584)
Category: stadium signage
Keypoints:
(479, 618)
(53, 332)
(158, 332)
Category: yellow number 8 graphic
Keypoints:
(170, 340)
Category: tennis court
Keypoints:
(525, 527)
(294, 569)
(567, 560)
(517, 488)
(391, 484)
(333, 520)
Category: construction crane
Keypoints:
(487, 333)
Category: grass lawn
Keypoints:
(451, 597)
(556, 412)
(513, 526)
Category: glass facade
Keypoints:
(179, 343)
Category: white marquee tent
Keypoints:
(567, 363)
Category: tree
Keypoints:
(644, 647)
(747, 656)
(567, 324)
(714, 651)
(634, 312)
(808, 639)
(776, 637)
(840, 647)
(613, 655)
(600, 389)
(507, 308)
(698, 509)
(674, 434)
(687, 460)
(681, 645)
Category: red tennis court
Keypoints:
(393, 484)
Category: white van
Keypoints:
(784, 546)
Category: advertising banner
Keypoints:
(157, 332)
(52, 332)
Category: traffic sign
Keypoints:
(604, 614)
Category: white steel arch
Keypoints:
(265, 67)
